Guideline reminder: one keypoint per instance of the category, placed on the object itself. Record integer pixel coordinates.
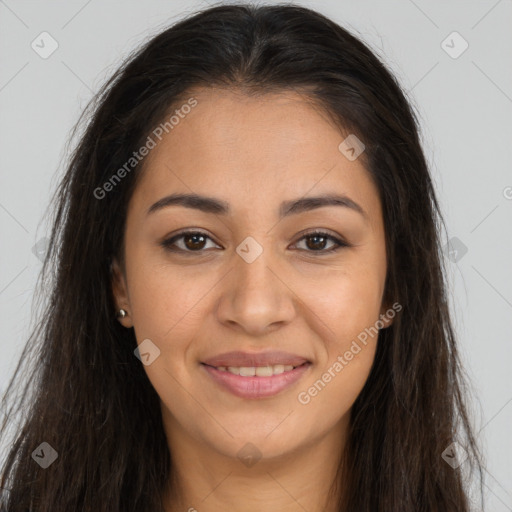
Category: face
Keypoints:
(242, 280)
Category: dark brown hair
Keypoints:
(89, 397)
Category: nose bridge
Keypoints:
(255, 274)
(255, 296)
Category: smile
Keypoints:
(256, 381)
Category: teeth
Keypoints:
(262, 371)
(279, 368)
(258, 371)
(245, 371)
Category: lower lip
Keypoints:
(256, 387)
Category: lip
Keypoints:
(256, 387)
(240, 358)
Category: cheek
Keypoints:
(349, 309)
(169, 309)
(346, 362)
(347, 300)
(165, 299)
(348, 304)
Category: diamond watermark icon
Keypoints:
(45, 455)
(249, 249)
(351, 147)
(44, 45)
(249, 455)
(454, 45)
(455, 455)
(147, 352)
(455, 249)
(40, 249)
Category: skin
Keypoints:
(253, 152)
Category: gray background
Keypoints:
(465, 106)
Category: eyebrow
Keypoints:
(287, 208)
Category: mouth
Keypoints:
(253, 382)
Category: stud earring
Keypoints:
(121, 313)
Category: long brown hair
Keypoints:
(86, 394)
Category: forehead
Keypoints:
(247, 148)
(276, 126)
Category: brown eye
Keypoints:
(190, 241)
(317, 241)
(194, 241)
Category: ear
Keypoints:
(388, 313)
(120, 293)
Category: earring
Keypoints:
(121, 313)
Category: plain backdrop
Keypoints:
(454, 59)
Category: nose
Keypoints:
(256, 298)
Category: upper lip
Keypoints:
(247, 359)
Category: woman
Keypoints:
(249, 306)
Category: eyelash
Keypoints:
(167, 244)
